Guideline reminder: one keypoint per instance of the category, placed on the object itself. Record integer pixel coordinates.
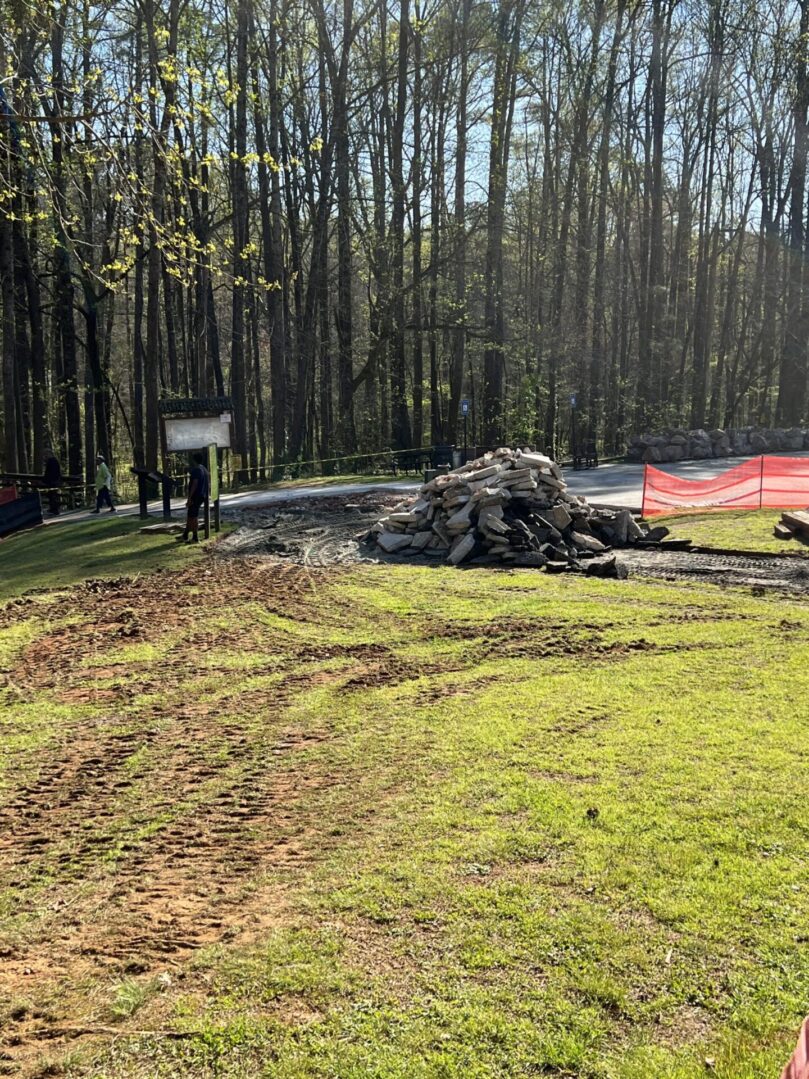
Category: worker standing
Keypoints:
(198, 488)
(103, 485)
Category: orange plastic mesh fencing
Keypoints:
(785, 483)
(763, 482)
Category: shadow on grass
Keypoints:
(59, 555)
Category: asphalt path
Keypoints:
(619, 484)
(622, 484)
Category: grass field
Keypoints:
(400, 821)
(737, 530)
(63, 554)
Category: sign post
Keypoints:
(195, 423)
(213, 487)
(465, 414)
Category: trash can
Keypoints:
(442, 455)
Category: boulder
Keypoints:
(740, 443)
(672, 453)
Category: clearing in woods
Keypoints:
(260, 819)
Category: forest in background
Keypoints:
(350, 216)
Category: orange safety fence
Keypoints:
(763, 482)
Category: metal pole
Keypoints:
(574, 447)
(643, 496)
(465, 428)
(761, 484)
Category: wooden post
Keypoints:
(142, 500)
(207, 517)
(166, 485)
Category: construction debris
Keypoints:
(792, 523)
(510, 507)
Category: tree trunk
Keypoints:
(792, 376)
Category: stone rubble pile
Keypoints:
(699, 445)
(509, 506)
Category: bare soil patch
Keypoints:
(149, 828)
(324, 532)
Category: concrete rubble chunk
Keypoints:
(607, 567)
(420, 540)
(462, 550)
(559, 517)
(587, 543)
(392, 541)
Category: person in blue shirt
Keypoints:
(197, 493)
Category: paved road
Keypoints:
(611, 485)
(622, 484)
(251, 498)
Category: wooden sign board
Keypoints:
(184, 433)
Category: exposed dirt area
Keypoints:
(171, 808)
(324, 533)
(311, 532)
(152, 823)
(765, 572)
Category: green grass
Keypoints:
(557, 828)
(57, 555)
(738, 530)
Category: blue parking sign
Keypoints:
(573, 400)
(465, 407)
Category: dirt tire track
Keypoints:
(146, 834)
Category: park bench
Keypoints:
(585, 456)
(411, 461)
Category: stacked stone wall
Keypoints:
(681, 445)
